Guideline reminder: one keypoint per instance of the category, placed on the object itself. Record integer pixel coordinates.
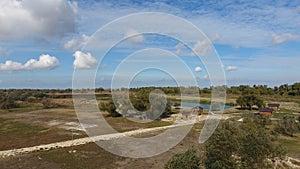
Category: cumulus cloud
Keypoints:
(133, 36)
(76, 43)
(19, 19)
(277, 39)
(44, 62)
(197, 69)
(231, 68)
(84, 60)
(178, 48)
(201, 48)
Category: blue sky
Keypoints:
(41, 42)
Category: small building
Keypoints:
(274, 106)
(197, 110)
(265, 111)
(185, 115)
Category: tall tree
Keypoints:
(221, 148)
(246, 145)
(250, 100)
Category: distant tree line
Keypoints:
(11, 98)
(283, 90)
(249, 95)
(151, 106)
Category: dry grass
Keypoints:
(91, 156)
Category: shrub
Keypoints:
(110, 108)
(287, 126)
(47, 104)
(186, 160)
(8, 104)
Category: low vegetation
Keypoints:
(186, 160)
(247, 145)
(253, 143)
(288, 125)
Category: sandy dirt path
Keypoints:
(86, 140)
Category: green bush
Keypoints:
(8, 104)
(247, 145)
(287, 126)
(48, 104)
(110, 108)
(186, 160)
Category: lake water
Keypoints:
(205, 106)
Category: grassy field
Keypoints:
(17, 135)
(24, 107)
(29, 125)
(292, 144)
(90, 156)
(122, 124)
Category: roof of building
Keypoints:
(186, 113)
(274, 104)
(197, 107)
(265, 110)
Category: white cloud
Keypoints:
(84, 60)
(205, 76)
(178, 48)
(197, 69)
(136, 37)
(201, 48)
(19, 19)
(277, 39)
(248, 25)
(231, 68)
(44, 62)
(76, 43)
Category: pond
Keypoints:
(205, 106)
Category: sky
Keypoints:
(42, 43)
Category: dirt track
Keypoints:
(82, 141)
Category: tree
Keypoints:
(221, 148)
(110, 108)
(246, 145)
(248, 101)
(160, 107)
(186, 160)
(256, 147)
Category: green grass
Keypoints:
(292, 144)
(122, 124)
(88, 156)
(9, 126)
(14, 134)
(24, 107)
(281, 115)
